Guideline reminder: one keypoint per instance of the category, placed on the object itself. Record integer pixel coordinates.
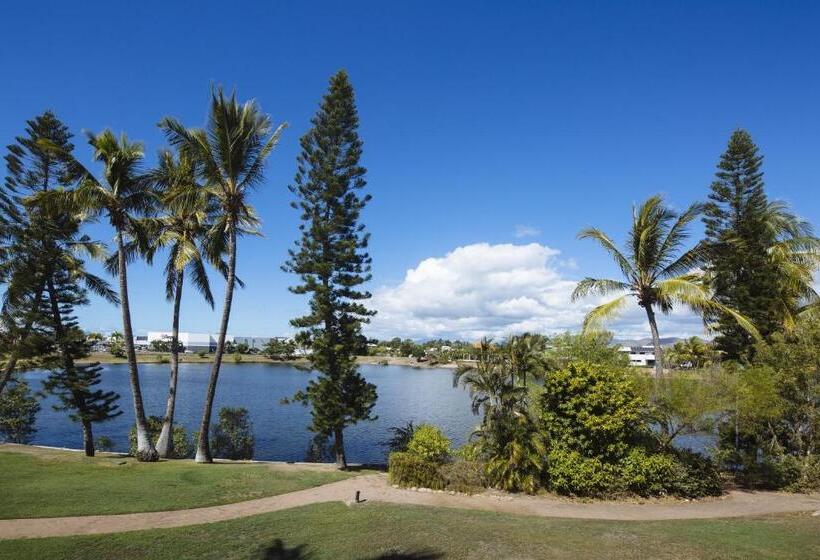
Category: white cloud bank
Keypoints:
(496, 290)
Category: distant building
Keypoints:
(206, 342)
(642, 356)
(255, 342)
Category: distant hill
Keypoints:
(665, 341)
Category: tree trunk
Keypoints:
(656, 340)
(145, 449)
(165, 443)
(8, 368)
(88, 439)
(339, 448)
(203, 448)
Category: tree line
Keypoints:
(193, 206)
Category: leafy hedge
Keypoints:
(410, 470)
(600, 441)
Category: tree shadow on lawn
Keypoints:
(278, 551)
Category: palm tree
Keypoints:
(231, 155)
(189, 212)
(796, 256)
(122, 195)
(525, 353)
(654, 271)
(490, 382)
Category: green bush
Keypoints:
(103, 443)
(232, 437)
(18, 413)
(653, 474)
(409, 469)
(702, 476)
(183, 447)
(596, 410)
(463, 475)
(572, 474)
(428, 442)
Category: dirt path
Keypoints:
(374, 488)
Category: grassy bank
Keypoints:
(378, 531)
(46, 483)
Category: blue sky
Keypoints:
(499, 128)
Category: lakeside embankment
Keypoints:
(191, 358)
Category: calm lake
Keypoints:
(405, 394)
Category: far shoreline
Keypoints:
(228, 359)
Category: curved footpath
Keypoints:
(375, 488)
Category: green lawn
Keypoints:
(42, 483)
(378, 531)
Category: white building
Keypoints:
(203, 342)
(642, 356)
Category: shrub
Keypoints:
(469, 451)
(702, 476)
(103, 443)
(463, 475)
(232, 437)
(572, 474)
(651, 474)
(409, 469)
(183, 448)
(428, 442)
(593, 409)
(18, 413)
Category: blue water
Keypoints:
(405, 394)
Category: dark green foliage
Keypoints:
(595, 410)
(182, 448)
(332, 263)
(75, 385)
(18, 413)
(760, 261)
(27, 235)
(508, 440)
(232, 436)
(411, 470)
(277, 349)
(772, 437)
(47, 276)
(104, 443)
(595, 420)
(573, 474)
(401, 437)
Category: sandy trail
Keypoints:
(375, 488)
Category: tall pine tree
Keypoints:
(32, 166)
(75, 384)
(761, 256)
(332, 262)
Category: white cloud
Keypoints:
(526, 231)
(496, 290)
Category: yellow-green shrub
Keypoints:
(409, 469)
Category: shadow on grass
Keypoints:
(278, 551)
